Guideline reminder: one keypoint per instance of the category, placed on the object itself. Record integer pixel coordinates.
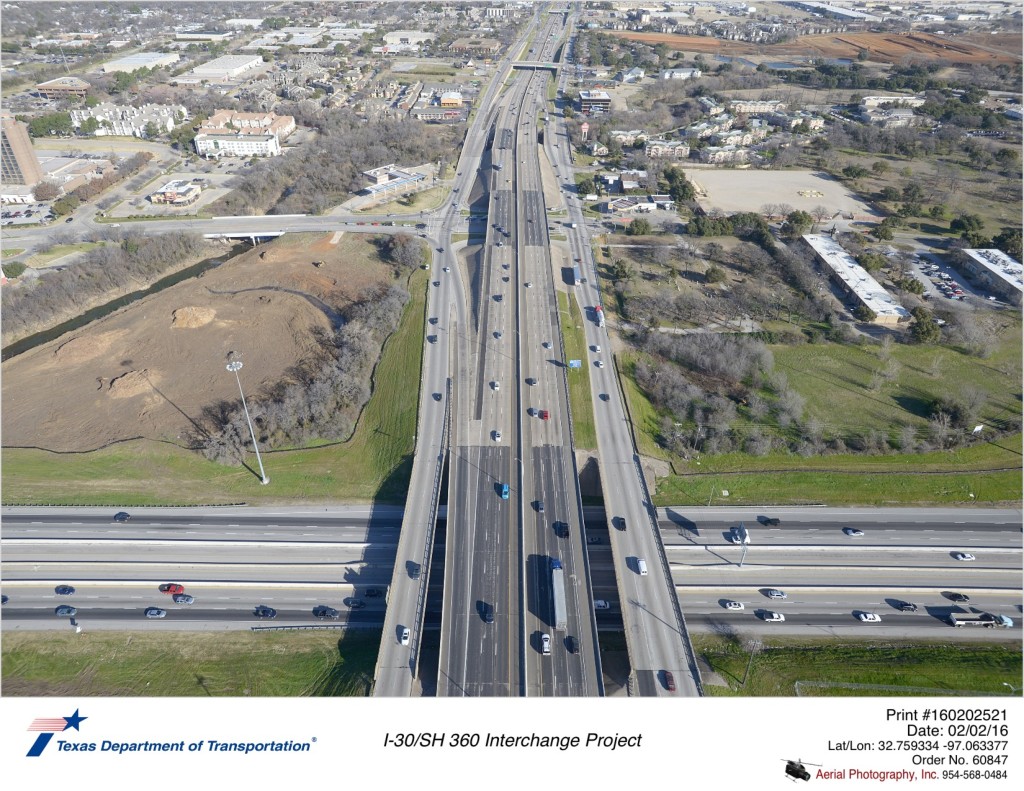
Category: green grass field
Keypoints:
(182, 664)
(421, 201)
(989, 471)
(59, 251)
(374, 465)
(584, 430)
(812, 667)
(835, 381)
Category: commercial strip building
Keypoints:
(414, 37)
(997, 272)
(140, 60)
(639, 204)
(481, 47)
(855, 280)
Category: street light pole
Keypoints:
(234, 367)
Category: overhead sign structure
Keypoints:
(575, 364)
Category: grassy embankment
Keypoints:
(39, 260)
(216, 664)
(374, 465)
(426, 200)
(827, 668)
(585, 433)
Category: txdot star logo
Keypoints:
(49, 726)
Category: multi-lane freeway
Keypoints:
(233, 559)
(494, 412)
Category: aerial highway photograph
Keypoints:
(511, 350)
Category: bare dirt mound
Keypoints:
(137, 373)
(130, 384)
(86, 347)
(191, 317)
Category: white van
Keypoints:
(641, 566)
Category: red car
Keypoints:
(172, 588)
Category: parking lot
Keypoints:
(26, 214)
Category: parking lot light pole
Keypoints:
(234, 367)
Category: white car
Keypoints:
(529, 284)
(497, 435)
(773, 617)
(596, 347)
(964, 556)
(546, 344)
(545, 644)
(734, 605)
(599, 364)
(495, 386)
(446, 269)
(405, 636)
(775, 593)
(869, 617)
(600, 604)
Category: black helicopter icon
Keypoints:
(795, 769)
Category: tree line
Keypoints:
(137, 260)
(321, 397)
